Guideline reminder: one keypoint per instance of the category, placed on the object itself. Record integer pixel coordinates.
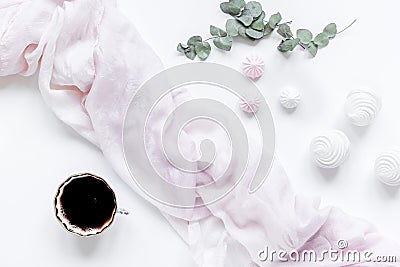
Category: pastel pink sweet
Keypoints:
(253, 66)
(250, 104)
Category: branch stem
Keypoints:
(287, 22)
(210, 38)
(300, 44)
(351, 24)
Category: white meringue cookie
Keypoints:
(253, 66)
(290, 98)
(387, 167)
(250, 105)
(362, 107)
(330, 149)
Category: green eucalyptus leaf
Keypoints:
(215, 31)
(239, 3)
(224, 43)
(254, 34)
(245, 18)
(274, 20)
(194, 39)
(304, 35)
(233, 7)
(225, 7)
(267, 30)
(312, 48)
(181, 47)
(258, 24)
(284, 30)
(295, 42)
(331, 30)
(321, 40)
(203, 50)
(230, 9)
(284, 46)
(234, 27)
(254, 8)
(190, 52)
(288, 45)
(242, 32)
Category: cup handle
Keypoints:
(122, 211)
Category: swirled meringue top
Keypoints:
(362, 107)
(387, 167)
(330, 149)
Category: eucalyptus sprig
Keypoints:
(248, 21)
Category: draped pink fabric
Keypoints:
(91, 61)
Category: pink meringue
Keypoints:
(253, 66)
(250, 104)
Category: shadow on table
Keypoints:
(386, 190)
(87, 246)
(328, 174)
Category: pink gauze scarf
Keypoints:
(92, 61)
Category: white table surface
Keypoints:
(38, 151)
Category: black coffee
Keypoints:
(87, 202)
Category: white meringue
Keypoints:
(387, 167)
(330, 149)
(362, 107)
(250, 105)
(253, 66)
(290, 98)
